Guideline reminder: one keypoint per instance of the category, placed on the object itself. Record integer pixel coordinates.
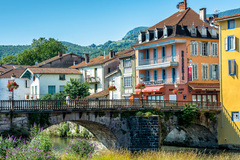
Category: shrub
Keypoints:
(188, 115)
(81, 147)
(6, 144)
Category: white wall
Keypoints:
(117, 84)
(19, 94)
(90, 71)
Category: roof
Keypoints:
(126, 53)
(205, 87)
(112, 73)
(16, 72)
(101, 60)
(228, 17)
(226, 13)
(186, 18)
(54, 59)
(10, 66)
(101, 94)
(54, 70)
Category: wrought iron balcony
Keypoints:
(93, 80)
(158, 60)
(162, 81)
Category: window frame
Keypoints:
(27, 83)
(127, 82)
(230, 69)
(214, 49)
(60, 88)
(228, 24)
(53, 87)
(212, 67)
(62, 77)
(193, 71)
(233, 43)
(194, 48)
(206, 77)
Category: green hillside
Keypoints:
(94, 50)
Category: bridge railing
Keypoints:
(18, 105)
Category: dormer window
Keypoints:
(165, 32)
(156, 34)
(147, 36)
(194, 30)
(214, 33)
(204, 31)
(140, 37)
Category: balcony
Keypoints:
(158, 63)
(92, 80)
(162, 81)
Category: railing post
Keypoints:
(99, 103)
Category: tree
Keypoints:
(9, 59)
(77, 88)
(42, 49)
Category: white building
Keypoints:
(114, 79)
(94, 70)
(14, 75)
(49, 80)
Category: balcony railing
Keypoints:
(92, 79)
(162, 81)
(158, 60)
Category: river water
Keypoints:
(61, 144)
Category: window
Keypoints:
(194, 31)
(61, 89)
(27, 84)
(95, 72)
(147, 36)
(232, 67)
(95, 88)
(156, 34)
(174, 75)
(195, 70)
(36, 90)
(230, 43)
(109, 70)
(214, 49)
(127, 81)
(51, 90)
(62, 77)
(155, 56)
(204, 98)
(165, 32)
(164, 75)
(204, 48)
(194, 48)
(127, 63)
(235, 116)
(204, 32)
(205, 71)
(214, 33)
(148, 76)
(231, 24)
(155, 75)
(214, 73)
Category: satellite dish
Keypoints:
(36, 63)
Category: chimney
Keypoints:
(86, 58)
(182, 6)
(111, 54)
(59, 54)
(203, 14)
(104, 54)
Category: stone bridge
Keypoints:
(114, 125)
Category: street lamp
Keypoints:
(13, 79)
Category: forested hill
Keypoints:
(94, 50)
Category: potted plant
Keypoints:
(176, 91)
(140, 86)
(12, 85)
(112, 88)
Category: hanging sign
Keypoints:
(190, 73)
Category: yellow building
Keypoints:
(229, 124)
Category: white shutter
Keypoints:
(192, 48)
(216, 49)
(207, 72)
(196, 48)
(200, 48)
(226, 43)
(211, 71)
(234, 43)
(203, 71)
(209, 49)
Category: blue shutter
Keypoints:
(211, 70)
(229, 68)
(234, 67)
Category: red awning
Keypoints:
(150, 89)
(205, 87)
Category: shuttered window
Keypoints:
(205, 71)
(195, 70)
(230, 43)
(214, 49)
(204, 48)
(232, 67)
(214, 72)
(194, 48)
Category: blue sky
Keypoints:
(85, 22)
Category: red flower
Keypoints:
(140, 86)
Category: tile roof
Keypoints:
(186, 18)
(54, 59)
(112, 73)
(226, 13)
(226, 17)
(101, 60)
(54, 70)
(101, 94)
(8, 67)
(16, 72)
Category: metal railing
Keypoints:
(92, 79)
(158, 60)
(162, 81)
(87, 104)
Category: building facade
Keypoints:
(228, 128)
(179, 53)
